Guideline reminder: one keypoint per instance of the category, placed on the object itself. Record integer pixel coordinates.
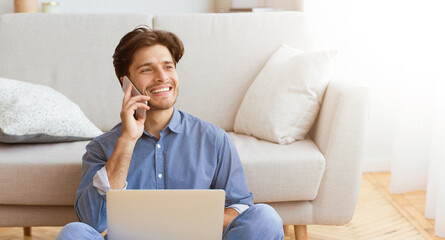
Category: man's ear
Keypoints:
(121, 79)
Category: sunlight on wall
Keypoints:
(394, 46)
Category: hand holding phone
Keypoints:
(134, 92)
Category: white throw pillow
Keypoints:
(283, 101)
(31, 113)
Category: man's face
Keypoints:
(153, 73)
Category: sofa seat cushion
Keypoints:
(277, 173)
(40, 174)
(49, 174)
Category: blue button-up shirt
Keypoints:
(190, 154)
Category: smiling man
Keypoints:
(165, 149)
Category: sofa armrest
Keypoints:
(339, 133)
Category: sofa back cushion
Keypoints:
(223, 55)
(71, 53)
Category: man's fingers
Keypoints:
(140, 98)
(128, 99)
(140, 105)
(133, 107)
(133, 100)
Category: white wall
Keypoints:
(6, 6)
(154, 6)
(394, 46)
(290, 5)
(124, 6)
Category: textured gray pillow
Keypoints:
(31, 113)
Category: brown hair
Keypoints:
(141, 37)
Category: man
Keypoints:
(165, 149)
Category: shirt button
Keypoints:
(159, 175)
(158, 145)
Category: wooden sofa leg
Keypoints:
(300, 232)
(27, 231)
(286, 229)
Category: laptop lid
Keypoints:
(165, 214)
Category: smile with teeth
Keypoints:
(166, 89)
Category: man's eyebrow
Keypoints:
(150, 63)
(144, 64)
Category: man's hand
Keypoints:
(229, 215)
(132, 129)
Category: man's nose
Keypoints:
(161, 75)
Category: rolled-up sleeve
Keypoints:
(230, 174)
(90, 206)
(101, 183)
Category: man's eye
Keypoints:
(146, 70)
(169, 67)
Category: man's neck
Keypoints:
(157, 120)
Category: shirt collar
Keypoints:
(175, 123)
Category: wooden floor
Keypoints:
(379, 215)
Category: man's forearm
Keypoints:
(119, 163)
(229, 215)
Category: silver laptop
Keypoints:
(165, 214)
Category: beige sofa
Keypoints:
(312, 181)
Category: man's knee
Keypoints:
(78, 230)
(268, 214)
(267, 217)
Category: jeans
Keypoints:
(258, 222)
